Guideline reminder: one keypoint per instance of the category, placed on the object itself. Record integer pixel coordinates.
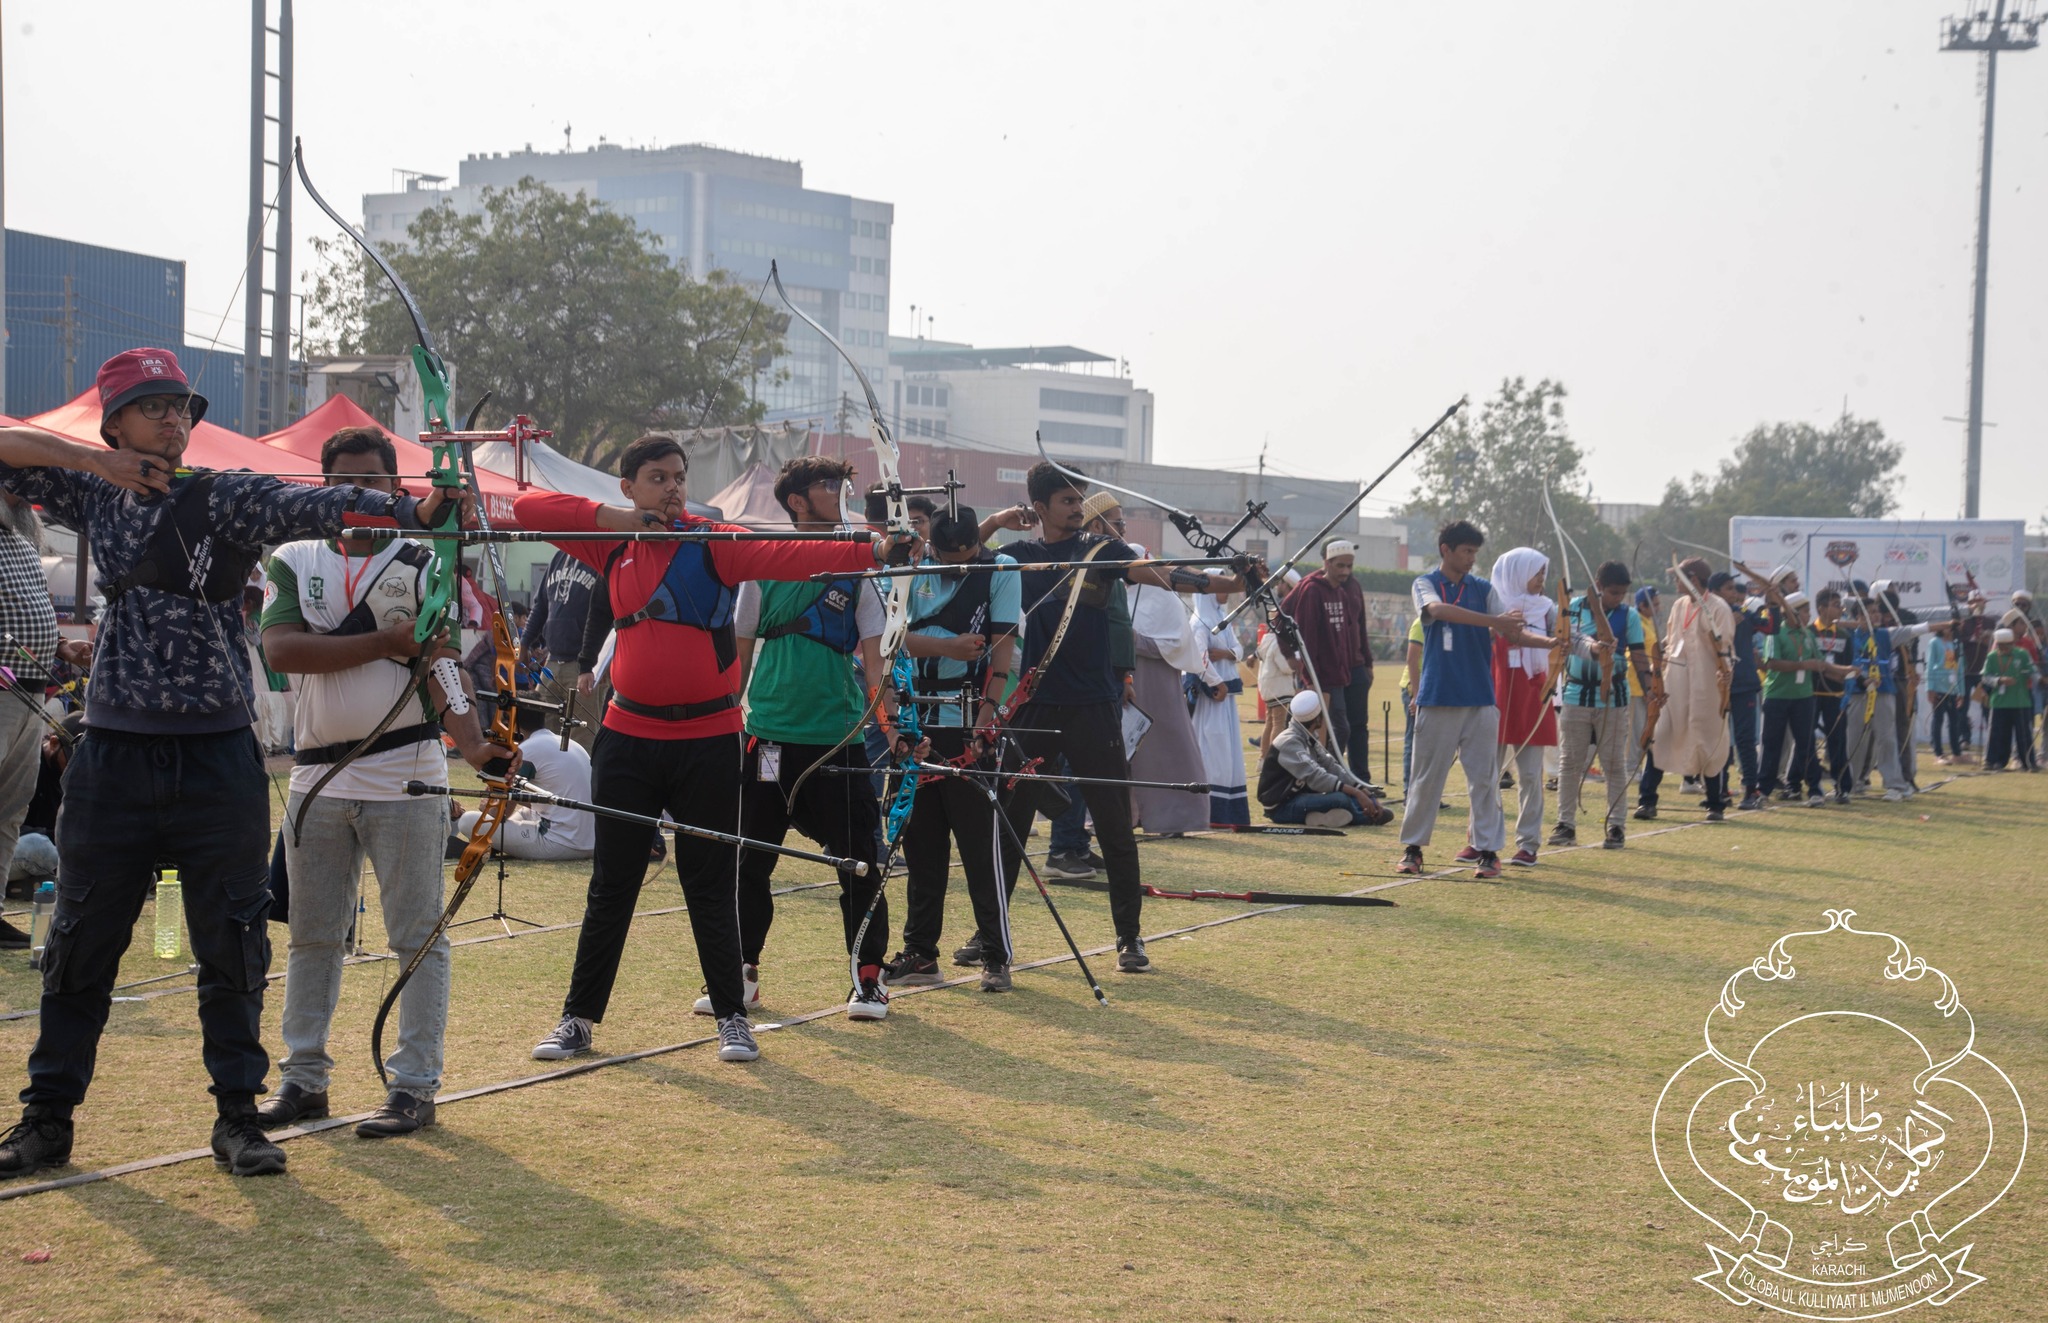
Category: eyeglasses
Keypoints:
(154, 407)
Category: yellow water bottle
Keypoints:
(170, 916)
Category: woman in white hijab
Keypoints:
(1528, 723)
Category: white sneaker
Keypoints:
(867, 1001)
(736, 1040)
(749, 975)
(1327, 818)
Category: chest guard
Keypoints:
(183, 556)
(965, 612)
(690, 593)
(830, 619)
(361, 618)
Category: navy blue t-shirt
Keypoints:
(1080, 670)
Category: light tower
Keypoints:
(1988, 33)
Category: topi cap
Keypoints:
(1797, 600)
(1340, 547)
(2001, 636)
(1305, 706)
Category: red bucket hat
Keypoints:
(134, 373)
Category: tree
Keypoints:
(1492, 470)
(1795, 470)
(562, 309)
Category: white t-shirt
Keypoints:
(564, 772)
(313, 584)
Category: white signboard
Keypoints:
(1919, 556)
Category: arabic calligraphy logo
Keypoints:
(1840, 1130)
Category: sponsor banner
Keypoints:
(1920, 556)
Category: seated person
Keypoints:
(542, 831)
(1302, 781)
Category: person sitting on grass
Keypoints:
(1302, 781)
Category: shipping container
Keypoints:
(114, 301)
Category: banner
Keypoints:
(1919, 556)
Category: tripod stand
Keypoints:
(498, 913)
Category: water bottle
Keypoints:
(170, 916)
(40, 911)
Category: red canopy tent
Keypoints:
(304, 438)
(211, 447)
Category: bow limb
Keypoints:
(896, 621)
(1190, 527)
(1602, 630)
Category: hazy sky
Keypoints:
(1310, 223)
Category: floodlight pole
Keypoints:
(1987, 34)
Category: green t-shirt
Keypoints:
(2016, 668)
(1791, 643)
(801, 691)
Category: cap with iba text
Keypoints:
(133, 373)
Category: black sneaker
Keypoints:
(36, 1141)
(1069, 866)
(1096, 861)
(12, 938)
(1131, 957)
(401, 1114)
(970, 954)
(736, 1039)
(995, 976)
(571, 1038)
(1563, 835)
(1645, 813)
(1751, 802)
(1411, 862)
(1841, 796)
(908, 970)
(241, 1147)
(1616, 838)
(1716, 815)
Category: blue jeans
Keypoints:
(1070, 829)
(1296, 808)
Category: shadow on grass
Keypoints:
(871, 1141)
(918, 1047)
(515, 1223)
(302, 1248)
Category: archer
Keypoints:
(671, 734)
(169, 773)
(338, 616)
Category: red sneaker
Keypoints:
(1467, 855)
(1489, 865)
(1525, 858)
(1411, 862)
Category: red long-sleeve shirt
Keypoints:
(664, 662)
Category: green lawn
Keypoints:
(1437, 1111)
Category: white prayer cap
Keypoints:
(1339, 547)
(1752, 603)
(1783, 572)
(1881, 588)
(1796, 600)
(1305, 705)
(2022, 595)
(1997, 636)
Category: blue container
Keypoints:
(117, 300)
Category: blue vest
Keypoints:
(830, 619)
(690, 593)
(1457, 660)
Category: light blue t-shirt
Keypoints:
(930, 595)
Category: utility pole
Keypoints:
(264, 156)
(281, 280)
(1988, 34)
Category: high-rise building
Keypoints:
(1082, 403)
(715, 209)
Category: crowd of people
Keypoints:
(902, 696)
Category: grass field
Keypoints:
(1437, 1111)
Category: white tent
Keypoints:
(550, 469)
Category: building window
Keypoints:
(866, 230)
(881, 266)
(1080, 401)
(942, 397)
(881, 231)
(939, 427)
(1081, 434)
(866, 265)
